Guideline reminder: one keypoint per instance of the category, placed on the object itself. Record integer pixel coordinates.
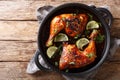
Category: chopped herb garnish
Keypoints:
(60, 49)
(56, 63)
(76, 36)
(72, 63)
(63, 18)
(67, 70)
(99, 38)
(90, 16)
(90, 55)
(67, 24)
(74, 14)
(69, 50)
(60, 52)
(94, 38)
(55, 30)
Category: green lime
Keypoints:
(61, 37)
(80, 43)
(92, 25)
(51, 51)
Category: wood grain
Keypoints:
(28, 30)
(12, 10)
(17, 50)
(24, 50)
(18, 39)
(115, 28)
(108, 71)
(18, 30)
(17, 71)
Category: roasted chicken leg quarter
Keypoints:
(73, 24)
(57, 24)
(72, 57)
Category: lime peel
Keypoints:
(80, 43)
(61, 37)
(51, 51)
(92, 25)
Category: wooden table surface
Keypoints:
(18, 35)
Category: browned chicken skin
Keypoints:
(72, 57)
(57, 24)
(73, 24)
(76, 24)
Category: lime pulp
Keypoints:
(51, 51)
(61, 37)
(92, 25)
(80, 43)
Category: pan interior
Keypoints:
(44, 34)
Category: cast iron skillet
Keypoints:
(102, 14)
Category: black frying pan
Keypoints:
(102, 14)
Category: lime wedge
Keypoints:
(51, 51)
(80, 43)
(61, 37)
(92, 25)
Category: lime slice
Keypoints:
(61, 37)
(82, 42)
(51, 51)
(92, 25)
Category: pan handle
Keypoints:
(107, 16)
(115, 42)
(42, 12)
(114, 45)
(40, 63)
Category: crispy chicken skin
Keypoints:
(72, 57)
(57, 24)
(73, 24)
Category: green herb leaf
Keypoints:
(90, 55)
(60, 52)
(60, 49)
(74, 14)
(67, 70)
(90, 16)
(67, 24)
(63, 18)
(76, 36)
(99, 38)
(56, 63)
(55, 30)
